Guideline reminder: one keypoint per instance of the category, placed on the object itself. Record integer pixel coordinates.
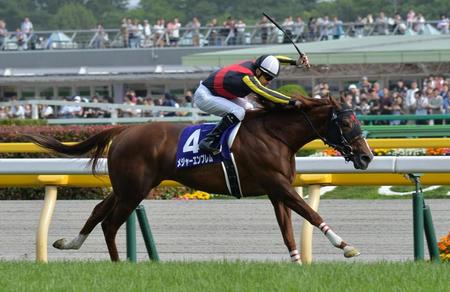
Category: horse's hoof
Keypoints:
(60, 243)
(299, 262)
(350, 251)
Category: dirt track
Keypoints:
(224, 229)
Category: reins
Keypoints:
(344, 146)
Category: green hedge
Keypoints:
(71, 133)
(13, 133)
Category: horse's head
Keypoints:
(345, 135)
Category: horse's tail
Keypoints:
(96, 144)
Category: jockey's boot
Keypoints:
(211, 143)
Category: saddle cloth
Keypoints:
(189, 154)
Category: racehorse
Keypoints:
(140, 157)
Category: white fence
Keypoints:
(188, 114)
(52, 170)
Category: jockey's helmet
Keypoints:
(269, 65)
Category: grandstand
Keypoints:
(154, 71)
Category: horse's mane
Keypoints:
(267, 107)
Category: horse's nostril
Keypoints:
(366, 158)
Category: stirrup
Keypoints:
(207, 146)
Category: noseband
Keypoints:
(335, 137)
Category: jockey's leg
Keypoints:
(211, 143)
(231, 112)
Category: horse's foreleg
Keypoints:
(98, 214)
(292, 200)
(283, 215)
(336, 240)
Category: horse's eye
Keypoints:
(346, 124)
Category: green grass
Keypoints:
(371, 193)
(223, 276)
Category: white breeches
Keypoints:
(220, 106)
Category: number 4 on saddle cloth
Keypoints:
(189, 154)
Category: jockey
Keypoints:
(223, 92)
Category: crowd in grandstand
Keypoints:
(430, 96)
(135, 33)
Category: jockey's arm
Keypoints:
(286, 60)
(255, 86)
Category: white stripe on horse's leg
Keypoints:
(76, 243)
(295, 256)
(336, 240)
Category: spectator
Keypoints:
(421, 106)
(386, 102)
(213, 37)
(353, 90)
(364, 106)
(337, 28)
(147, 31)
(124, 32)
(240, 32)
(410, 19)
(374, 102)
(399, 26)
(128, 112)
(410, 99)
(419, 24)
(264, 26)
(443, 24)
(173, 29)
(288, 26)
(228, 31)
(324, 25)
(299, 30)
(3, 113)
(158, 33)
(133, 34)
(381, 24)
(72, 111)
(195, 26)
(27, 29)
(445, 100)
(358, 27)
(21, 40)
(397, 107)
(3, 34)
(47, 111)
(435, 104)
(17, 111)
(312, 29)
(364, 85)
(169, 100)
(100, 37)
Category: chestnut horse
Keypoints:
(140, 157)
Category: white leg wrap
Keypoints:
(76, 243)
(295, 256)
(335, 239)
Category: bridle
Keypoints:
(335, 137)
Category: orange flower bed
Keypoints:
(444, 248)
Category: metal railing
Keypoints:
(214, 35)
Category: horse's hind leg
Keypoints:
(98, 214)
(114, 220)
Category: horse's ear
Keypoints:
(335, 103)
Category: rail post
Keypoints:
(131, 237)
(430, 234)
(418, 222)
(51, 192)
(314, 181)
(147, 233)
